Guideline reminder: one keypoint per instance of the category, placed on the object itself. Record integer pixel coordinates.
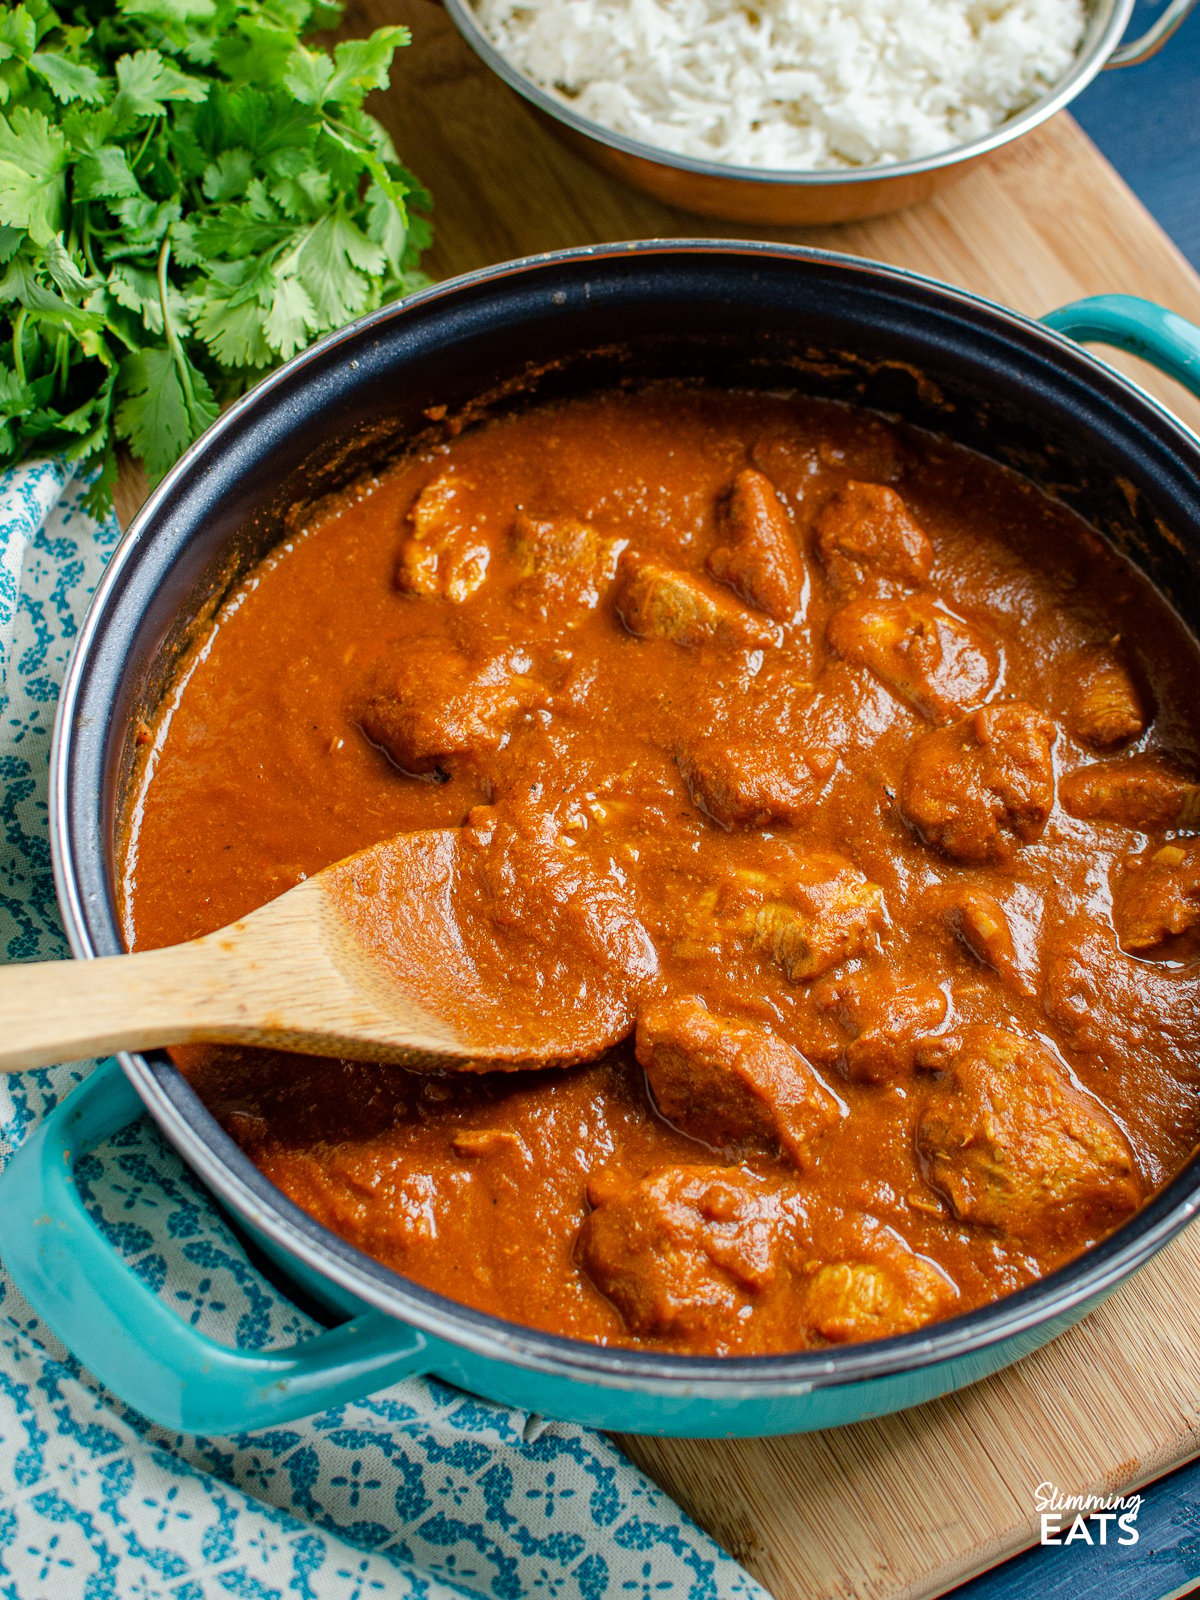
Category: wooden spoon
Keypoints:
(391, 955)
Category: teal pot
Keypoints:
(729, 313)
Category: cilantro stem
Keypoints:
(62, 364)
(18, 340)
(85, 240)
(182, 366)
(145, 141)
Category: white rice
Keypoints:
(792, 83)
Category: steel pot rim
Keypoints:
(231, 1174)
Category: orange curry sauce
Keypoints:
(859, 769)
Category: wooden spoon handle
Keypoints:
(53, 1011)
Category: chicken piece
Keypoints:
(849, 1301)
(809, 915)
(1012, 1144)
(684, 1246)
(553, 544)
(754, 785)
(444, 555)
(825, 912)
(1157, 896)
(979, 789)
(759, 558)
(1106, 708)
(887, 1025)
(731, 1083)
(927, 656)
(483, 1142)
(980, 922)
(883, 1289)
(430, 702)
(1146, 793)
(1123, 1012)
(865, 536)
(565, 563)
(657, 602)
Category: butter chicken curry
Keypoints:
(852, 774)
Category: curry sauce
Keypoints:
(852, 776)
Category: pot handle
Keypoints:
(124, 1334)
(1164, 338)
(1151, 42)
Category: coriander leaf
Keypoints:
(259, 204)
(63, 269)
(98, 500)
(361, 65)
(327, 263)
(308, 76)
(298, 187)
(386, 224)
(49, 315)
(136, 289)
(168, 11)
(228, 313)
(256, 52)
(68, 80)
(18, 34)
(236, 232)
(226, 178)
(80, 421)
(183, 244)
(158, 416)
(144, 224)
(290, 319)
(104, 173)
(87, 130)
(33, 157)
(145, 84)
(263, 122)
(14, 396)
(234, 335)
(360, 250)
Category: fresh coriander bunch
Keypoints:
(189, 194)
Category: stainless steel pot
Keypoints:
(792, 197)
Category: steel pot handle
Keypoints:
(124, 1334)
(1152, 41)
(1164, 338)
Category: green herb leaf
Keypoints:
(168, 11)
(18, 34)
(228, 177)
(105, 173)
(159, 416)
(290, 319)
(189, 192)
(33, 158)
(66, 79)
(145, 85)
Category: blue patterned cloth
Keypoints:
(419, 1491)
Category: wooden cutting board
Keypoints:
(913, 1504)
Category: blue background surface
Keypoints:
(1146, 120)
